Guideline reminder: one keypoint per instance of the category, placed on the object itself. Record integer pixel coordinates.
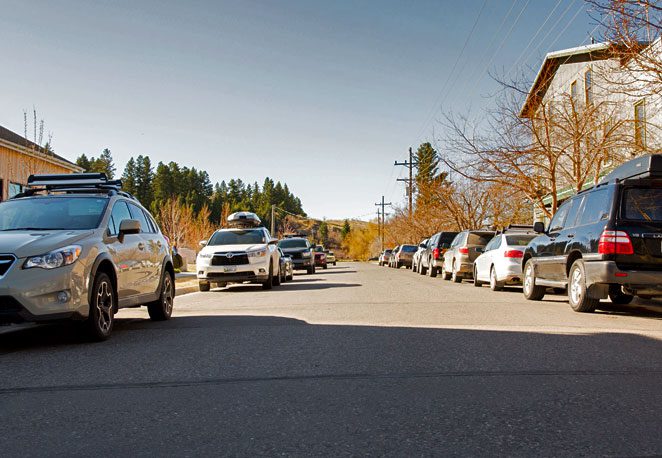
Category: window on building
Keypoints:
(573, 91)
(588, 86)
(14, 189)
(640, 123)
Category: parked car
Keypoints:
(500, 263)
(244, 252)
(403, 257)
(384, 257)
(416, 259)
(286, 266)
(301, 252)
(603, 242)
(77, 247)
(459, 259)
(320, 257)
(432, 257)
(391, 257)
(330, 257)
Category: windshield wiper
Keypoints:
(34, 229)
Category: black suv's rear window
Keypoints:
(642, 204)
(52, 213)
(409, 248)
(293, 243)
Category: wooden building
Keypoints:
(19, 158)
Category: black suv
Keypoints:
(301, 252)
(433, 256)
(605, 241)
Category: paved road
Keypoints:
(355, 360)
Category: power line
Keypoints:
(410, 181)
(381, 226)
(457, 60)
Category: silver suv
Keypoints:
(77, 247)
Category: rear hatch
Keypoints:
(476, 241)
(640, 217)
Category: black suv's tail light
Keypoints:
(615, 242)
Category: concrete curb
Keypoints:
(180, 291)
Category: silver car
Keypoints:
(77, 247)
(459, 259)
(500, 264)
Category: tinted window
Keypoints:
(48, 213)
(409, 248)
(479, 239)
(238, 237)
(293, 243)
(457, 240)
(446, 238)
(643, 204)
(557, 222)
(575, 206)
(597, 205)
(519, 240)
(493, 244)
(137, 213)
(119, 214)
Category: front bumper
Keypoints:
(301, 264)
(28, 295)
(254, 271)
(644, 282)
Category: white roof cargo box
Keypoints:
(244, 219)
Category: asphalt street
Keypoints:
(354, 360)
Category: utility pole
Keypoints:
(383, 222)
(273, 220)
(410, 180)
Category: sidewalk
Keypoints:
(185, 283)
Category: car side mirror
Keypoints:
(127, 227)
(273, 241)
(203, 243)
(480, 250)
(539, 227)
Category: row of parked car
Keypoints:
(605, 241)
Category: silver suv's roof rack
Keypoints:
(73, 183)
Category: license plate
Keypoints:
(230, 269)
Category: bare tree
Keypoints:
(633, 29)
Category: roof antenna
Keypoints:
(592, 40)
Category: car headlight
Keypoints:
(56, 258)
(257, 254)
(306, 254)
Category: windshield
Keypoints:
(519, 240)
(319, 248)
(409, 248)
(643, 204)
(52, 213)
(238, 237)
(293, 243)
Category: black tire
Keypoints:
(618, 297)
(289, 277)
(103, 303)
(494, 284)
(432, 270)
(269, 283)
(422, 270)
(578, 291)
(531, 291)
(161, 310)
(413, 267)
(325, 266)
(456, 277)
(477, 283)
(334, 263)
(204, 286)
(310, 270)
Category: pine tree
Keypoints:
(129, 177)
(324, 233)
(346, 229)
(84, 163)
(144, 175)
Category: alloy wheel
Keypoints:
(104, 305)
(576, 286)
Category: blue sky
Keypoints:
(323, 95)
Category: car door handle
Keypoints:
(571, 236)
(141, 246)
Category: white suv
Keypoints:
(237, 255)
